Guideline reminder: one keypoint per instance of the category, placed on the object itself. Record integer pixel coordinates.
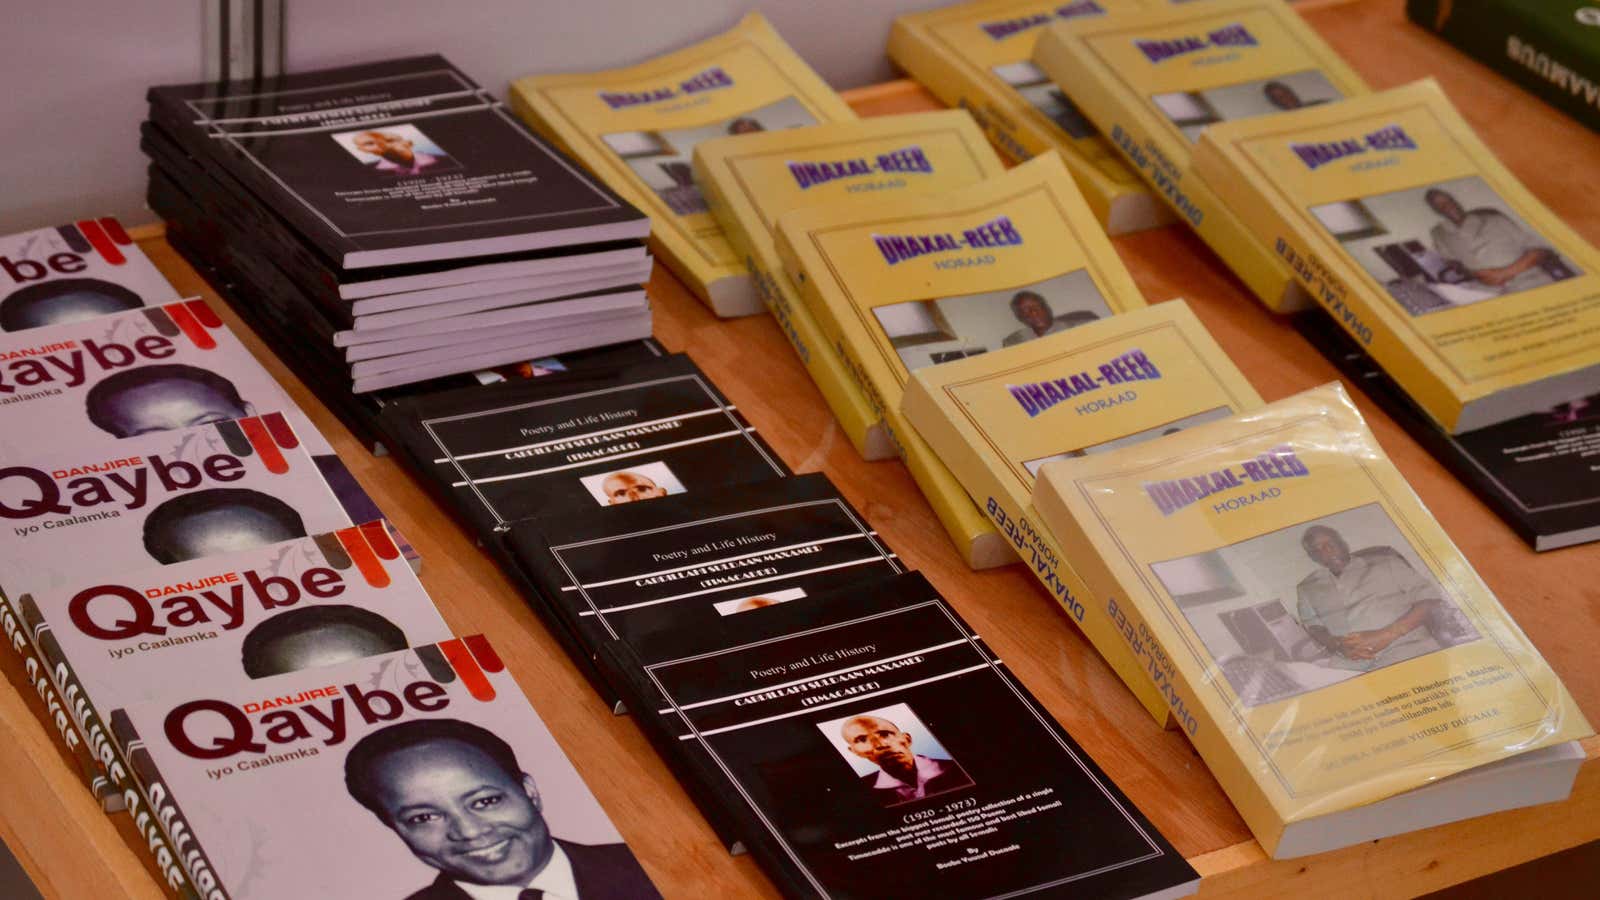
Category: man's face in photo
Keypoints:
(170, 404)
(228, 529)
(324, 645)
(1282, 96)
(882, 742)
(628, 487)
(461, 813)
(392, 147)
(1329, 551)
(1032, 311)
(1446, 205)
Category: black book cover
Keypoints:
(661, 576)
(395, 162)
(576, 443)
(223, 196)
(870, 741)
(1539, 472)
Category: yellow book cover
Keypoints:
(976, 56)
(751, 180)
(1481, 303)
(997, 418)
(636, 128)
(1152, 80)
(916, 281)
(1326, 644)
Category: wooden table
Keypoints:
(72, 850)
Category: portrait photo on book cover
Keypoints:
(396, 150)
(1192, 111)
(164, 397)
(324, 634)
(212, 521)
(663, 159)
(461, 801)
(645, 481)
(1211, 415)
(894, 755)
(1439, 246)
(1314, 604)
(1038, 91)
(758, 601)
(63, 301)
(930, 332)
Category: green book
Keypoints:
(1551, 48)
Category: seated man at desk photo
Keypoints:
(1368, 610)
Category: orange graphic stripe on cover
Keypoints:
(271, 456)
(101, 242)
(382, 542)
(203, 313)
(484, 653)
(332, 550)
(190, 326)
(114, 229)
(361, 553)
(281, 430)
(461, 660)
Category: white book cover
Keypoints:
(160, 368)
(161, 498)
(117, 638)
(421, 773)
(81, 270)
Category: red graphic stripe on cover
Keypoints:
(74, 238)
(102, 242)
(233, 437)
(366, 561)
(203, 313)
(438, 667)
(191, 326)
(271, 456)
(114, 229)
(461, 660)
(332, 550)
(377, 534)
(484, 653)
(160, 321)
(281, 430)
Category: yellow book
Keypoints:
(636, 128)
(1481, 303)
(1330, 651)
(1153, 80)
(916, 281)
(976, 56)
(997, 418)
(751, 180)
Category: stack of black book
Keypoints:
(389, 225)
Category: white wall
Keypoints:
(75, 71)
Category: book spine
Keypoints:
(1169, 173)
(163, 808)
(1345, 299)
(1178, 685)
(1006, 120)
(855, 417)
(1535, 45)
(56, 718)
(178, 875)
(1015, 520)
